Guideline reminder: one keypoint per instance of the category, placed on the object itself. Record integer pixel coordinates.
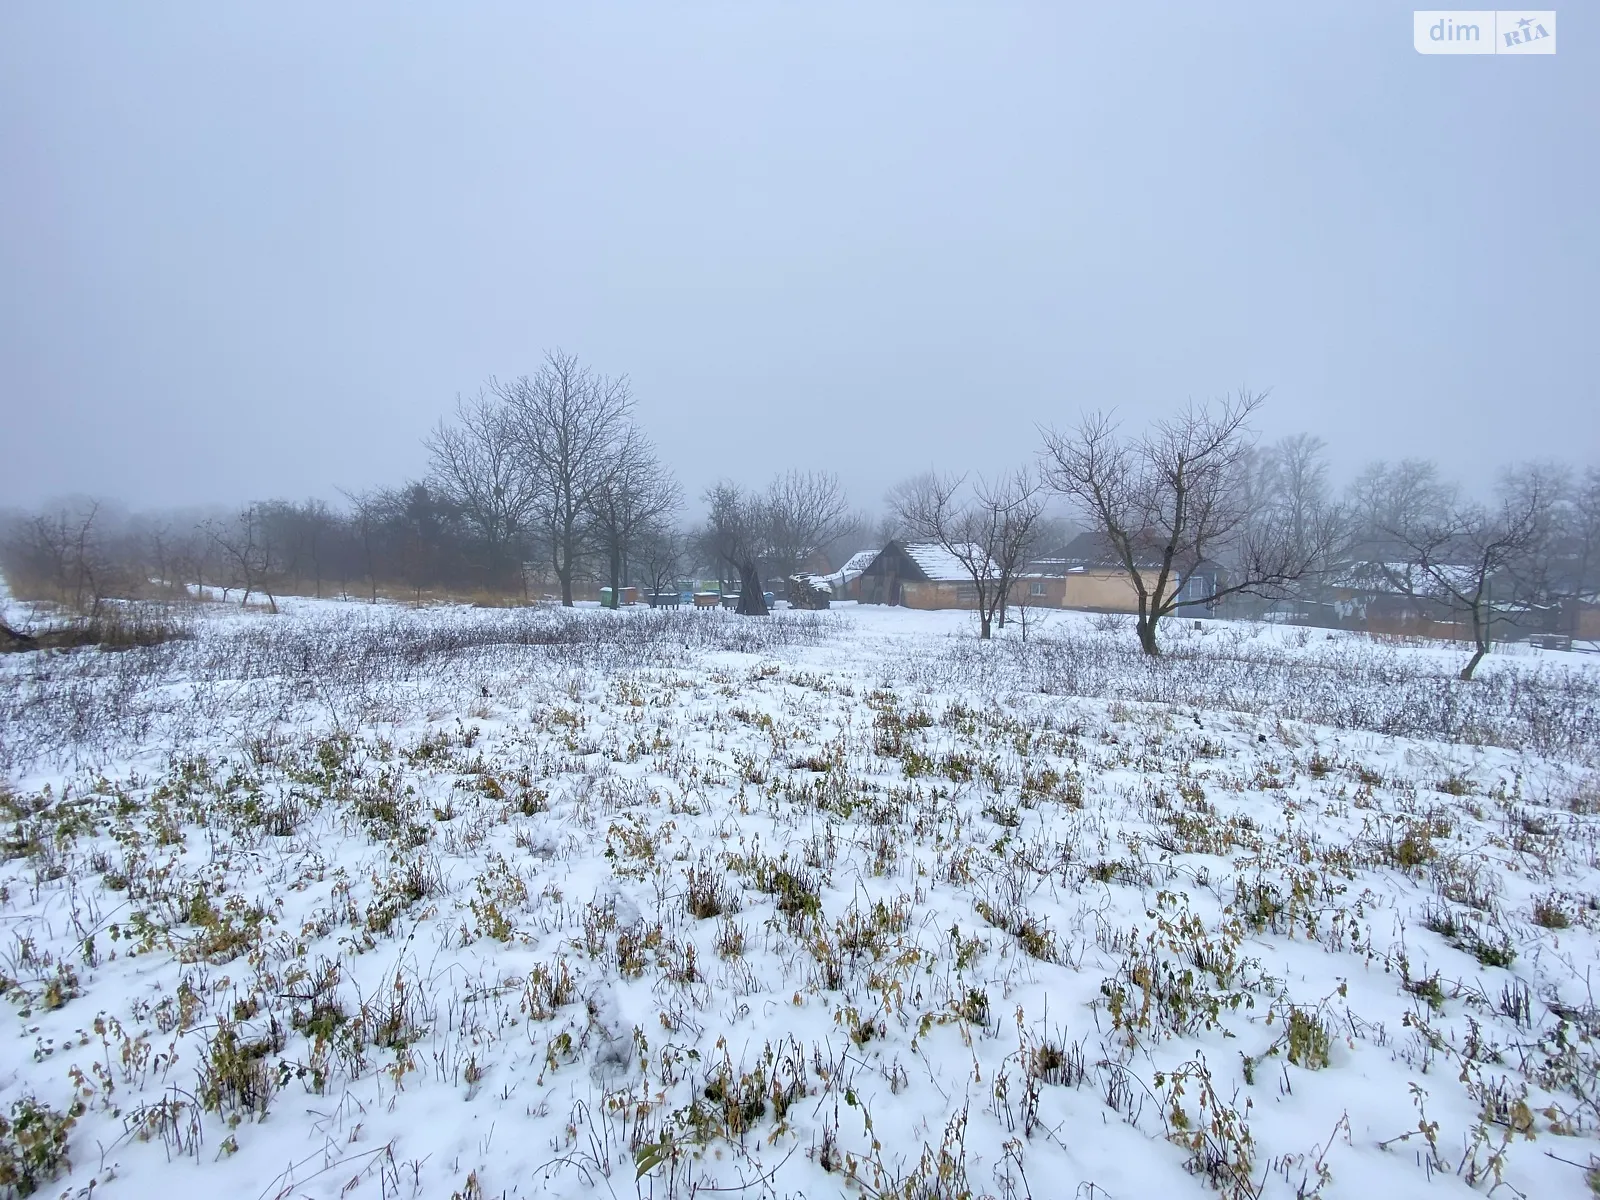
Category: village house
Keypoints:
(927, 576)
(916, 575)
(1086, 576)
(1094, 577)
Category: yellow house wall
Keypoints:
(916, 594)
(1105, 589)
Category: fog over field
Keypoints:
(256, 253)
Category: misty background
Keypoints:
(258, 252)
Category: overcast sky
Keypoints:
(251, 251)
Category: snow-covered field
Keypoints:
(364, 901)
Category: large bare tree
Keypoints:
(806, 511)
(477, 462)
(64, 555)
(1173, 500)
(990, 532)
(1298, 491)
(776, 531)
(1387, 496)
(568, 423)
(638, 492)
(737, 534)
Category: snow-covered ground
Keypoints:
(367, 901)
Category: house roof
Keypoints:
(938, 564)
(1403, 578)
(1095, 550)
(928, 561)
(855, 566)
(1089, 550)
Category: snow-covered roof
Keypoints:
(939, 564)
(855, 566)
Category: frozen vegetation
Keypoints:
(368, 901)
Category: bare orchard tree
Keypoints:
(194, 558)
(63, 556)
(1015, 505)
(806, 511)
(737, 533)
(247, 554)
(658, 556)
(990, 533)
(1460, 551)
(637, 492)
(476, 461)
(1177, 497)
(568, 423)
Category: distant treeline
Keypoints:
(545, 485)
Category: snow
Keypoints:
(939, 564)
(446, 876)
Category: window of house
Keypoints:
(1036, 587)
(966, 593)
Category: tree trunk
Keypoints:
(10, 639)
(984, 630)
(616, 576)
(1481, 647)
(1146, 627)
(751, 601)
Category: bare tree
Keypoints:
(38, 553)
(737, 534)
(1176, 498)
(568, 423)
(776, 531)
(806, 511)
(989, 534)
(637, 492)
(193, 556)
(365, 519)
(63, 555)
(659, 556)
(1458, 552)
(477, 462)
(1388, 496)
(248, 553)
(315, 528)
(1297, 473)
(1014, 506)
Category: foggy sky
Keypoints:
(255, 251)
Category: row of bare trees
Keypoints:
(554, 466)
(1196, 492)
(552, 469)
(1196, 499)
